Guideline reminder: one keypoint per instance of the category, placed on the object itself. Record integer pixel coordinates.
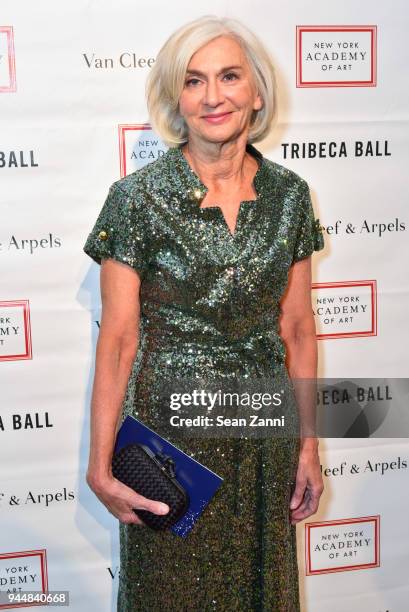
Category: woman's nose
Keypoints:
(213, 93)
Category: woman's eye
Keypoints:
(192, 81)
(230, 76)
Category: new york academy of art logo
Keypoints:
(342, 545)
(336, 56)
(138, 146)
(345, 309)
(7, 60)
(15, 330)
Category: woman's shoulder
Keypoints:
(283, 176)
(147, 180)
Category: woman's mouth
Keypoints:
(217, 117)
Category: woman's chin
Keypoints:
(218, 134)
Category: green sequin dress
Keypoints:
(210, 306)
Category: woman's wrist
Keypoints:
(96, 477)
(308, 444)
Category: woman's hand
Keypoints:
(309, 486)
(120, 499)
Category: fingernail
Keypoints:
(164, 509)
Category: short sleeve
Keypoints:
(309, 236)
(120, 231)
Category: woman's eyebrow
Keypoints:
(199, 73)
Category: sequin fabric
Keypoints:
(209, 308)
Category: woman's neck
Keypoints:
(219, 162)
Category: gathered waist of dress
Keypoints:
(186, 325)
(259, 340)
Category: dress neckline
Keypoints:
(196, 189)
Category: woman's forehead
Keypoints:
(223, 49)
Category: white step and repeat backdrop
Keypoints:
(72, 121)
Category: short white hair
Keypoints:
(166, 79)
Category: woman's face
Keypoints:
(219, 94)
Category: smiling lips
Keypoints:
(217, 118)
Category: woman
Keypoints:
(216, 242)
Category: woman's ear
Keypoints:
(258, 103)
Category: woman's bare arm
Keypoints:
(116, 350)
(297, 328)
